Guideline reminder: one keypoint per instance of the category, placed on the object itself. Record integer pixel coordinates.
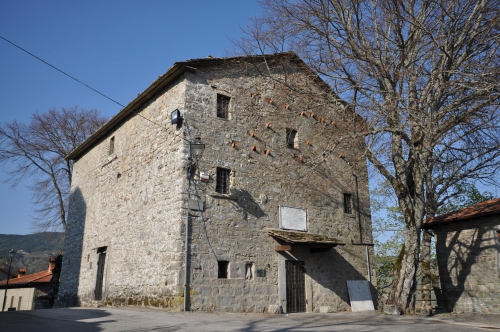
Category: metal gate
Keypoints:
(295, 287)
(100, 273)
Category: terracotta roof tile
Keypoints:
(39, 277)
(483, 209)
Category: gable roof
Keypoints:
(35, 278)
(178, 69)
(483, 209)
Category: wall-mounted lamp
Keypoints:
(197, 147)
(176, 118)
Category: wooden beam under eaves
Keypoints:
(286, 247)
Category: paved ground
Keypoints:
(136, 320)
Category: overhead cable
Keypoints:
(59, 70)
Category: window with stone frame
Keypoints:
(223, 180)
(249, 271)
(347, 203)
(223, 267)
(223, 106)
(292, 139)
(111, 149)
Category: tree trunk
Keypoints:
(426, 269)
(404, 282)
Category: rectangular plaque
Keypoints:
(260, 272)
(293, 218)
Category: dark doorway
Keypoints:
(100, 272)
(295, 287)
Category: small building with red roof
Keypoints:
(23, 290)
(468, 254)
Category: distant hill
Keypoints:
(33, 251)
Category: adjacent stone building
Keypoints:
(468, 254)
(277, 204)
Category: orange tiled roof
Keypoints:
(483, 209)
(39, 277)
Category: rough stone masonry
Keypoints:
(282, 186)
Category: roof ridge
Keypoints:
(480, 209)
(26, 279)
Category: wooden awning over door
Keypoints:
(289, 239)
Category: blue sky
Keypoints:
(116, 47)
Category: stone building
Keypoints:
(468, 254)
(277, 206)
(27, 291)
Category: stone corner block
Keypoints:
(275, 309)
(236, 270)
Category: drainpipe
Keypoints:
(368, 266)
(357, 209)
(186, 244)
(186, 241)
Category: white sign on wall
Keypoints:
(293, 218)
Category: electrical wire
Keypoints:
(202, 221)
(59, 70)
(91, 88)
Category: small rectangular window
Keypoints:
(19, 303)
(348, 203)
(111, 145)
(291, 139)
(12, 302)
(223, 267)
(223, 180)
(223, 106)
(248, 271)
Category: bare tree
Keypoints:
(424, 77)
(37, 150)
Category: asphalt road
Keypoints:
(137, 319)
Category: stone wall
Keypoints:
(236, 223)
(129, 201)
(135, 201)
(468, 259)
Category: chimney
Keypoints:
(21, 272)
(52, 264)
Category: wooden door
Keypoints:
(295, 287)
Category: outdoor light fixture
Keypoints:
(176, 117)
(11, 255)
(197, 148)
